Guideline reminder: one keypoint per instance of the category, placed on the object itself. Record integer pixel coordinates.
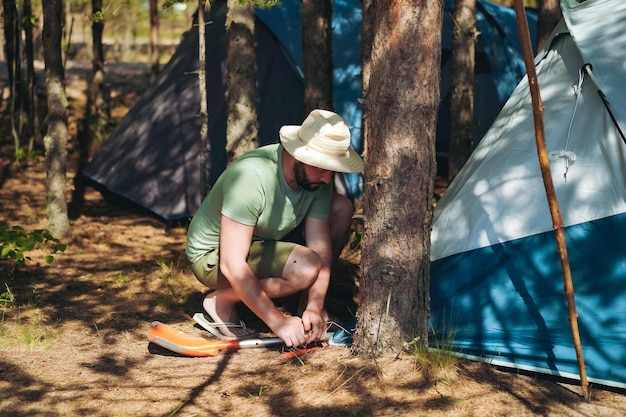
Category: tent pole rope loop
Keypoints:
(568, 156)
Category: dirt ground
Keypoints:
(74, 342)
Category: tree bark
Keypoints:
(31, 81)
(98, 116)
(317, 54)
(13, 56)
(154, 40)
(401, 104)
(549, 14)
(204, 6)
(464, 36)
(55, 141)
(367, 36)
(242, 125)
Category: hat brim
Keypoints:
(349, 162)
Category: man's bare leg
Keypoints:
(218, 306)
(340, 220)
(301, 270)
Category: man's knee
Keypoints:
(303, 267)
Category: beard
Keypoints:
(302, 179)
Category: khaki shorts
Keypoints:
(266, 259)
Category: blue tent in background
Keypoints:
(496, 277)
(152, 157)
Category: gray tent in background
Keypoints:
(152, 158)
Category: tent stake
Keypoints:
(544, 163)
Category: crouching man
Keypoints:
(239, 240)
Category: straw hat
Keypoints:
(322, 141)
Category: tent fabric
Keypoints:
(496, 276)
(152, 158)
(589, 23)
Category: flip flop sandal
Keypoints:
(205, 321)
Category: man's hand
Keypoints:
(314, 325)
(291, 330)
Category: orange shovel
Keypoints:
(191, 345)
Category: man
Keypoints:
(236, 239)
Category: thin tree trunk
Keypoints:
(549, 14)
(242, 125)
(31, 80)
(546, 174)
(464, 36)
(205, 146)
(317, 54)
(13, 56)
(98, 116)
(154, 40)
(55, 141)
(401, 104)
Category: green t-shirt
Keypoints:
(253, 191)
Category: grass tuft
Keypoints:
(27, 336)
(439, 355)
(173, 286)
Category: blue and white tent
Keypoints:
(496, 278)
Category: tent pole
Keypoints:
(544, 163)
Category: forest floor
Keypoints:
(74, 334)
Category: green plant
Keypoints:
(20, 154)
(122, 278)
(262, 390)
(7, 298)
(28, 336)
(169, 269)
(34, 337)
(439, 353)
(15, 242)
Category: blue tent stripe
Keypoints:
(497, 303)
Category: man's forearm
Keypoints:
(317, 292)
(247, 287)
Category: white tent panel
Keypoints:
(499, 195)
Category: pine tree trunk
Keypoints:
(549, 14)
(204, 6)
(55, 141)
(401, 105)
(31, 81)
(154, 40)
(13, 56)
(461, 140)
(317, 54)
(98, 97)
(367, 36)
(242, 125)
